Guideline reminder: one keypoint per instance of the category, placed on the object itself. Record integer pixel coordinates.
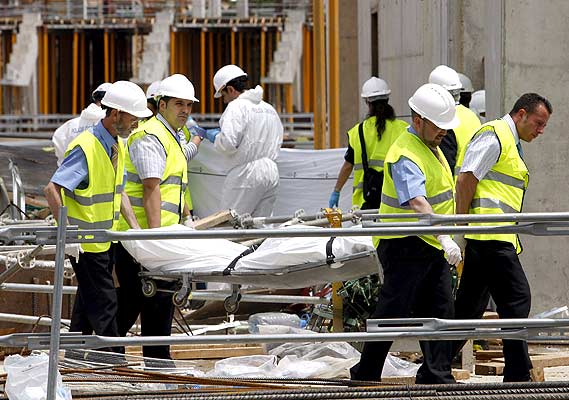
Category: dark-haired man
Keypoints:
(251, 136)
(493, 180)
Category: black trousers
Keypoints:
(417, 283)
(156, 313)
(95, 306)
(492, 267)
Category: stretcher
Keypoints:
(292, 263)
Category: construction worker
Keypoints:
(89, 183)
(465, 91)
(150, 93)
(89, 117)
(380, 129)
(250, 135)
(478, 104)
(454, 143)
(157, 177)
(417, 279)
(493, 180)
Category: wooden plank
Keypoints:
(537, 375)
(220, 217)
(484, 355)
(218, 351)
(489, 368)
(545, 360)
(459, 374)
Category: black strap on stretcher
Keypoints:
(329, 255)
(231, 267)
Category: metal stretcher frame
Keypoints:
(310, 274)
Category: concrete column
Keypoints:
(243, 8)
(494, 60)
(198, 8)
(214, 8)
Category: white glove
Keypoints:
(451, 249)
(189, 222)
(73, 250)
(461, 241)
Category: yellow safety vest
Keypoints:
(439, 183)
(376, 150)
(187, 195)
(172, 184)
(98, 205)
(502, 189)
(469, 124)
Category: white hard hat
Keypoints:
(177, 86)
(466, 83)
(446, 77)
(224, 75)
(435, 103)
(478, 101)
(103, 87)
(152, 89)
(128, 97)
(375, 88)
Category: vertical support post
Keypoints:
(75, 73)
(210, 70)
(288, 99)
(172, 51)
(112, 53)
(45, 82)
(334, 79)
(232, 46)
(305, 68)
(53, 93)
(203, 78)
(106, 55)
(57, 301)
(494, 60)
(319, 75)
(240, 48)
(262, 48)
(41, 63)
(83, 64)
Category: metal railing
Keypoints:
(42, 126)
(54, 11)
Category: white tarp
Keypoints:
(307, 178)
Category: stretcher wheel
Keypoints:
(149, 288)
(179, 300)
(231, 304)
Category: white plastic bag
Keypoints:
(395, 366)
(246, 366)
(27, 378)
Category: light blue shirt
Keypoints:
(73, 171)
(408, 178)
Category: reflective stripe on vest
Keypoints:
(502, 189)
(98, 205)
(173, 182)
(439, 183)
(376, 150)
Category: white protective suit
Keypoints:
(63, 135)
(251, 136)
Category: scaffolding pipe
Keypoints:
(232, 44)
(202, 71)
(194, 295)
(30, 319)
(319, 75)
(262, 47)
(75, 72)
(334, 78)
(106, 55)
(172, 51)
(55, 331)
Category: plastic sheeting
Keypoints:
(307, 178)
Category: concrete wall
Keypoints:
(536, 59)
(510, 47)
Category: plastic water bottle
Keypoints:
(272, 318)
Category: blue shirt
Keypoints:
(73, 172)
(408, 178)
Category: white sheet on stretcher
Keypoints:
(214, 255)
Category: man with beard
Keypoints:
(157, 177)
(90, 184)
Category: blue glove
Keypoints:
(210, 134)
(197, 130)
(334, 199)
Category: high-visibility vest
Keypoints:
(469, 124)
(187, 195)
(98, 205)
(502, 189)
(439, 183)
(173, 182)
(376, 150)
